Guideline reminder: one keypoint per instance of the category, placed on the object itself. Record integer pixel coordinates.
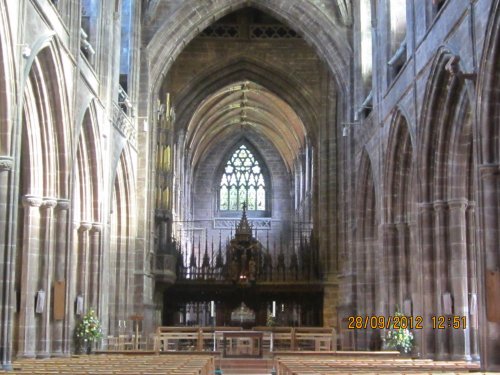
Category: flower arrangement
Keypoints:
(271, 321)
(400, 339)
(88, 330)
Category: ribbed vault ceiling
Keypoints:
(240, 107)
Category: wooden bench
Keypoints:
(119, 364)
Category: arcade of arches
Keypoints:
(158, 155)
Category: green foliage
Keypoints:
(89, 329)
(400, 339)
(271, 321)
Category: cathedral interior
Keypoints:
(224, 162)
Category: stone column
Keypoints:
(402, 262)
(94, 266)
(457, 265)
(390, 245)
(5, 168)
(425, 224)
(47, 265)
(83, 263)
(440, 273)
(490, 212)
(61, 244)
(6, 265)
(29, 275)
(472, 319)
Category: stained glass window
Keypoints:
(242, 181)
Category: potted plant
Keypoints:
(398, 338)
(88, 331)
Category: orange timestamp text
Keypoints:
(405, 322)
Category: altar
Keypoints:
(242, 344)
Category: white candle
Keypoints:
(274, 310)
(212, 309)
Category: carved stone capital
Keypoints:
(49, 203)
(96, 228)
(63, 204)
(459, 203)
(6, 163)
(32, 201)
(85, 226)
(439, 205)
(425, 206)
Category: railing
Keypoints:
(273, 338)
(122, 122)
(273, 274)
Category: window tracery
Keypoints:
(242, 181)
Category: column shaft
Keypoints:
(457, 265)
(6, 263)
(29, 275)
(94, 266)
(47, 265)
(425, 221)
(83, 263)
(440, 272)
(61, 239)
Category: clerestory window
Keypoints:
(242, 181)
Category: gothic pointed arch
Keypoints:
(400, 206)
(186, 22)
(45, 140)
(364, 262)
(487, 108)
(444, 92)
(447, 203)
(244, 105)
(122, 229)
(45, 106)
(88, 174)
(399, 170)
(280, 83)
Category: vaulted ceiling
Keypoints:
(245, 106)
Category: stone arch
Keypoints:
(443, 91)
(45, 140)
(122, 226)
(400, 201)
(488, 162)
(45, 118)
(278, 82)
(192, 17)
(88, 173)
(399, 170)
(87, 198)
(446, 204)
(365, 259)
(488, 97)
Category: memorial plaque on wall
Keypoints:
(59, 300)
(493, 296)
